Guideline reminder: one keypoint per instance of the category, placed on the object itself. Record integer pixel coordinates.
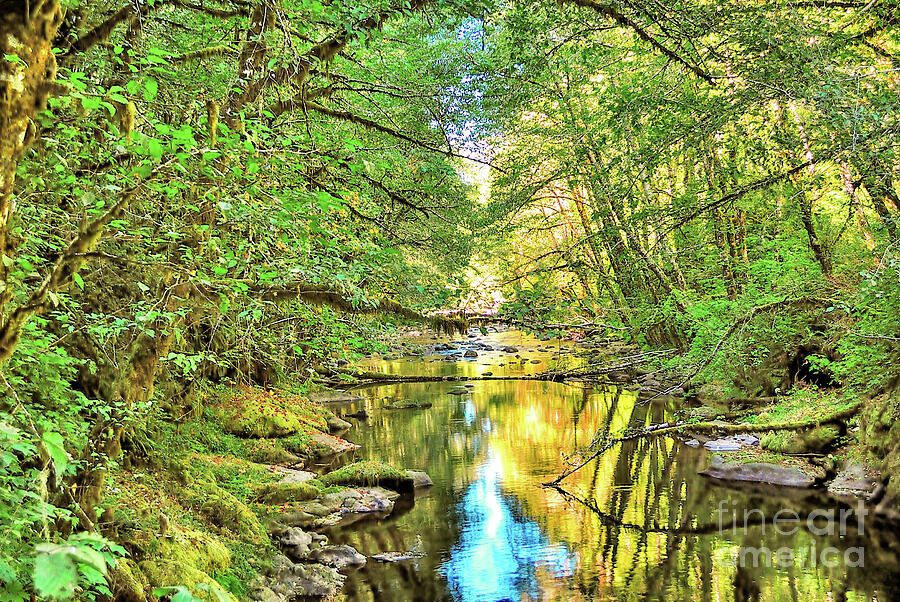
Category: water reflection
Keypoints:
(641, 527)
(499, 552)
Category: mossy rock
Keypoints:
(223, 509)
(171, 574)
(360, 474)
(202, 551)
(282, 493)
(252, 412)
(817, 440)
(271, 451)
(880, 433)
(127, 582)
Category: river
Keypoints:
(640, 523)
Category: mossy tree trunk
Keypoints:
(27, 70)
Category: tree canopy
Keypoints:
(199, 190)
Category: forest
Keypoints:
(222, 219)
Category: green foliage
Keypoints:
(76, 566)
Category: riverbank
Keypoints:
(244, 495)
(223, 507)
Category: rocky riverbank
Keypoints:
(225, 508)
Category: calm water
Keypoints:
(642, 524)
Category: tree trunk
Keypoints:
(823, 257)
(882, 193)
(26, 32)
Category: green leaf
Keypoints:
(155, 149)
(91, 103)
(55, 576)
(56, 448)
(151, 87)
(78, 280)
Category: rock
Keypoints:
(396, 556)
(420, 479)
(487, 374)
(333, 444)
(298, 580)
(460, 391)
(331, 396)
(261, 593)
(338, 557)
(757, 472)
(469, 386)
(295, 542)
(470, 353)
(732, 443)
(535, 361)
(722, 445)
(360, 414)
(746, 439)
(853, 481)
(330, 508)
(509, 349)
(692, 443)
(293, 476)
(336, 425)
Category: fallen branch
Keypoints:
(656, 430)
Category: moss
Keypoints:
(818, 440)
(170, 574)
(880, 433)
(280, 493)
(300, 444)
(128, 583)
(202, 551)
(369, 473)
(802, 405)
(223, 509)
(236, 476)
(270, 451)
(253, 412)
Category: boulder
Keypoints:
(332, 444)
(331, 508)
(470, 353)
(336, 425)
(303, 580)
(853, 481)
(360, 414)
(295, 543)
(509, 349)
(339, 557)
(757, 472)
(420, 479)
